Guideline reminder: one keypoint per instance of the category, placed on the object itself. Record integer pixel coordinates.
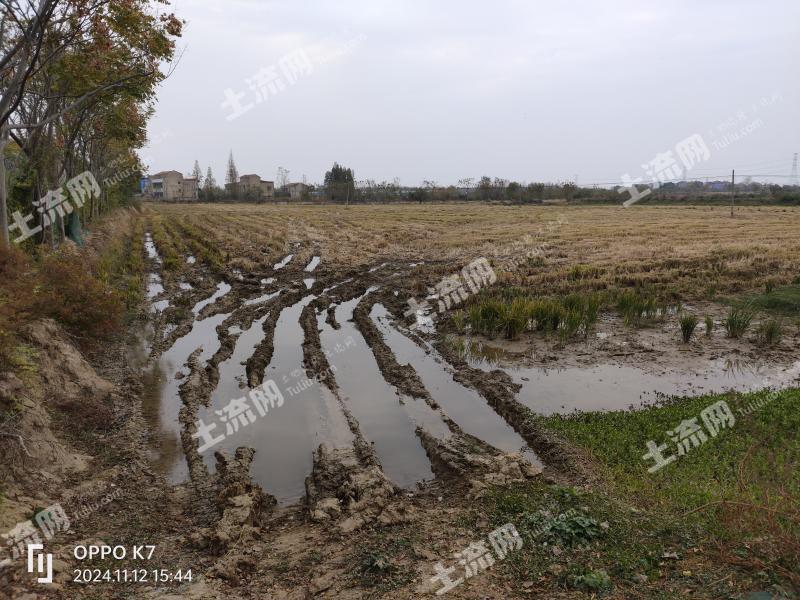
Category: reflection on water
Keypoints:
(375, 404)
(312, 264)
(150, 248)
(462, 404)
(479, 354)
(286, 436)
(222, 289)
(161, 379)
(605, 387)
(261, 299)
(283, 263)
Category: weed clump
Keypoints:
(513, 312)
(709, 326)
(737, 322)
(70, 294)
(688, 324)
(14, 299)
(637, 307)
(769, 333)
(591, 581)
(459, 321)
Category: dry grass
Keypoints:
(692, 251)
(86, 290)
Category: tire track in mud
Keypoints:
(340, 481)
(257, 363)
(461, 453)
(462, 403)
(345, 481)
(314, 360)
(284, 440)
(379, 410)
(500, 392)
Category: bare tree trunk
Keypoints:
(3, 202)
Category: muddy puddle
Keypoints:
(463, 405)
(154, 286)
(150, 248)
(279, 265)
(386, 420)
(222, 289)
(154, 289)
(286, 436)
(162, 402)
(312, 264)
(261, 299)
(377, 267)
(605, 387)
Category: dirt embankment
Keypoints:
(85, 448)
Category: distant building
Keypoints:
(170, 185)
(297, 191)
(190, 188)
(254, 185)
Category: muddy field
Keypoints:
(295, 403)
(314, 299)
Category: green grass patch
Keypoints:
(512, 311)
(706, 473)
(739, 488)
(591, 535)
(783, 300)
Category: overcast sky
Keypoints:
(443, 90)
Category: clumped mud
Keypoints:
(463, 456)
(342, 490)
(313, 356)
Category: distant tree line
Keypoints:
(341, 186)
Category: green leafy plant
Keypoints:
(459, 320)
(595, 581)
(637, 307)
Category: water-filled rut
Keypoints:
(284, 438)
(462, 404)
(380, 411)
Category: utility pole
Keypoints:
(733, 188)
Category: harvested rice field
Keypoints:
(404, 401)
(543, 349)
